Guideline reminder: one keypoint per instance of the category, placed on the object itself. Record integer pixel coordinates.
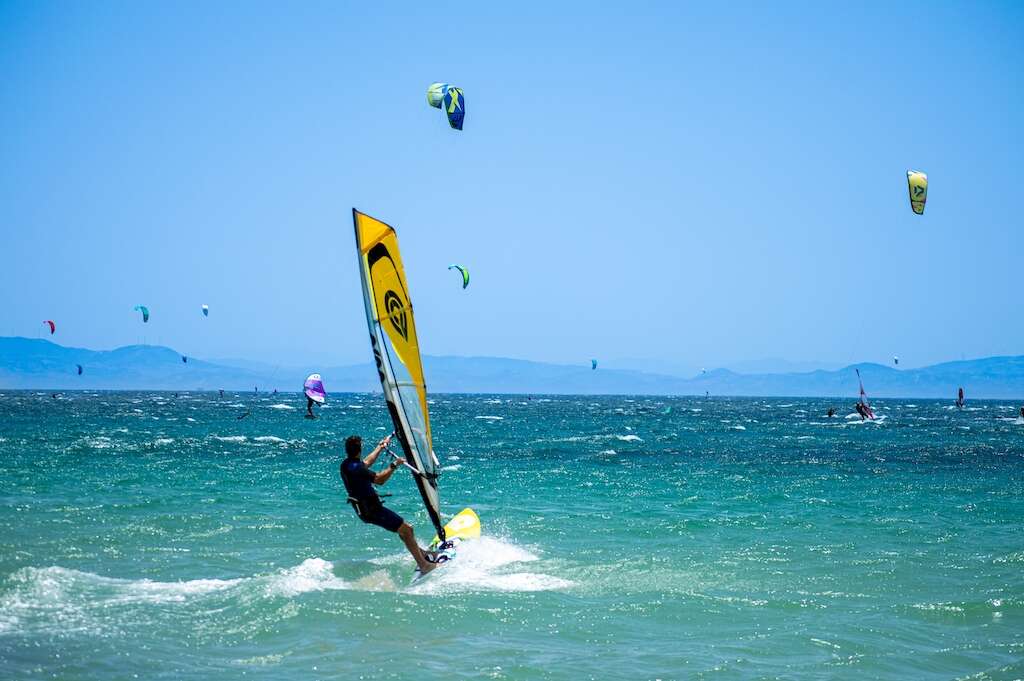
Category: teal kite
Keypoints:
(465, 274)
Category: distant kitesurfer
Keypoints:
(309, 408)
(1022, 412)
(275, 391)
(222, 393)
(831, 412)
(359, 481)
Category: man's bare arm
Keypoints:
(372, 458)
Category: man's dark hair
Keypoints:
(353, 445)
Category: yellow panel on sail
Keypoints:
(917, 183)
(379, 246)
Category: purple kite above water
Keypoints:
(314, 388)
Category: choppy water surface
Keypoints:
(637, 538)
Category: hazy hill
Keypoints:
(41, 364)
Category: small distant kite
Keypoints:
(53, 327)
(314, 388)
(206, 310)
(464, 272)
(145, 312)
(79, 369)
(451, 100)
(896, 360)
(593, 364)
(917, 184)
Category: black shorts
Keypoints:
(383, 517)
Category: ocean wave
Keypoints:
(314, 574)
(282, 406)
(230, 438)
(63, 601)
(269, 438)
(490, 418)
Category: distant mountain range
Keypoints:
(40, 364)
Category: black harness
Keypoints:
(364, 508)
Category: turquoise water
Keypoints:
(143, 534)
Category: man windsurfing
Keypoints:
(359, 481)
(863, 406)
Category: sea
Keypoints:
(190, 535)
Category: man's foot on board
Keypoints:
(427, 567)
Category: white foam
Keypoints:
(491, 418)
(161, 441)
(282, 406)
(230, 438)
(737, 427)
(269, 438)
(481, 565)
(314, 574)
(628, 438)
(453, 467)
(60, 600)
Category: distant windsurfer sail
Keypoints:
(960, 401)
(313, 387)
(863, 406)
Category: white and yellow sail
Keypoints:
(917, 185)
(396, 352)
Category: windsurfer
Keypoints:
(359, 481)
(1022, 412)
(309, 408)
(831, 412)
(860, 410)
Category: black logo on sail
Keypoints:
(395, 308)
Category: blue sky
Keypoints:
(698, 183)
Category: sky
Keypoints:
(691, 184)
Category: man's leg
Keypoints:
(405, 532)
